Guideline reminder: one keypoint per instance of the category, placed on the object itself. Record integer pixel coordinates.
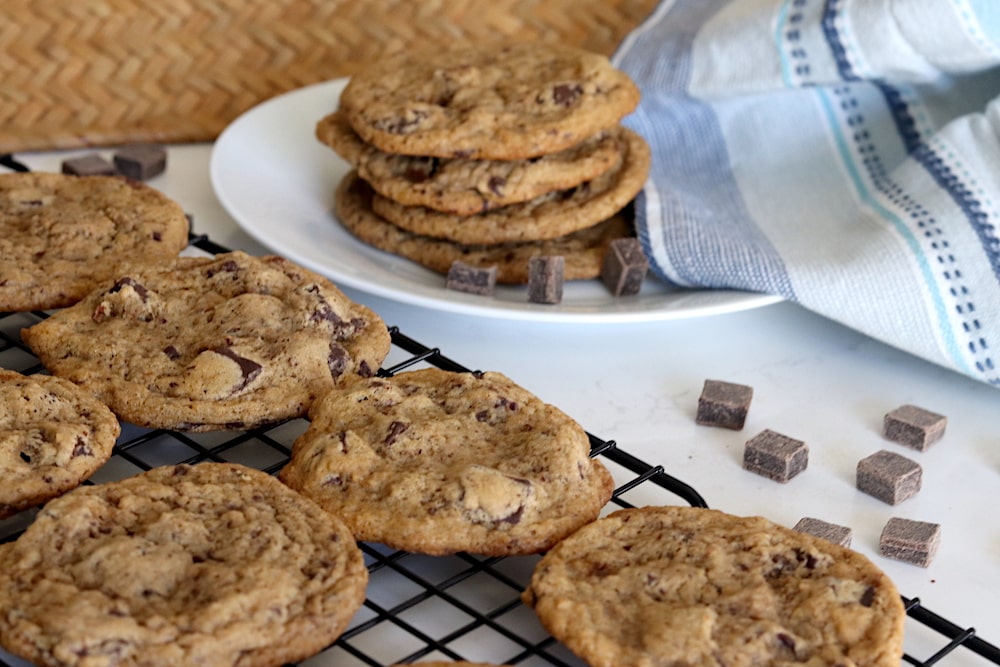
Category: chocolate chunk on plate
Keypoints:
(545, 279)
(723, 404)
(910, 541)
(828, 531)
(889, 477)
(775, 456)
(464, 277)
(88, 165)
(140, 162)
(624, 266)
(914, 426)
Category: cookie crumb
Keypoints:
(464, 277)
(914, 426)
(141, 162)
(624, 267)
(545, 279)
(828, 531)
(889, 477)
(914, 542)
(88, 165)
(775, 456)
(724, 404)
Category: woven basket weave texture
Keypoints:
(99, 72)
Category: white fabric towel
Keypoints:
(844, 154)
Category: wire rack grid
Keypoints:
(460, 607)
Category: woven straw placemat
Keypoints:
(99, 72)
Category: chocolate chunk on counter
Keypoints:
(624, 266)
(88, 165)
(723, 404)
(889, 477)
(464, 277)
(914, 427)
(828, 531)
(545, 279)
(910, 541)
(775, 456)
(140, 162)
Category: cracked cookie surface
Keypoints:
(689, 586)
(214, 564)
(53, 435)
(464, 187)
(583, 250)
(61, 235)
(497, 102)
(437, 462)
(225, 342)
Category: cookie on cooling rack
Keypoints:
(61, 235)
(436, 462)
(583, 250)
(465, 187)
(212, 564)
(682, 585)
(487, 102)
(549, 216)
(53, 436)
(203, 343)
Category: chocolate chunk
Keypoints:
(624, 267)
(88, 165)
(828, 531)
(464, 277)
(140, 162)
(889, 477)
(409, 121)
(396, 429)
(910, 541)
(81, 448)
(775, 456)
(496, 184)
(566, 94)
(723, 404)
(172, 353)
(914, 427)
(139, 289)
(337, 359)
(545, 279)
(248, 367)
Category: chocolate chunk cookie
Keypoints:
(436, 462)
(214, 564)
(545, 217)
(487, 102)
(53, 435)
(687, 586)
(583, 250)
(61, 235)
(204, 343)
(464, 187)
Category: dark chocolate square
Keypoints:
(545, 279)
(828, 531)
(723, 404)
(464, 277)
(914, 427)
(775, 456)
(624, 266)
(910, 541)
(889, 477)
(88, 165)
(140, 162)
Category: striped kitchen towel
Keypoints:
(843, 154)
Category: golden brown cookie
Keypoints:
(548, 216)
(225, 342)
(487, 101)
(583, 250)
(436, 462)
(464, 187)
(61, 235)
(214, 564)
(53, 436)
(690, 586)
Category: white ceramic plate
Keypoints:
(277, 181)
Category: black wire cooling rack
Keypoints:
(459, 607)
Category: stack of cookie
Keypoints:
(489, 156)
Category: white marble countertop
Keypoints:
(814, 380)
